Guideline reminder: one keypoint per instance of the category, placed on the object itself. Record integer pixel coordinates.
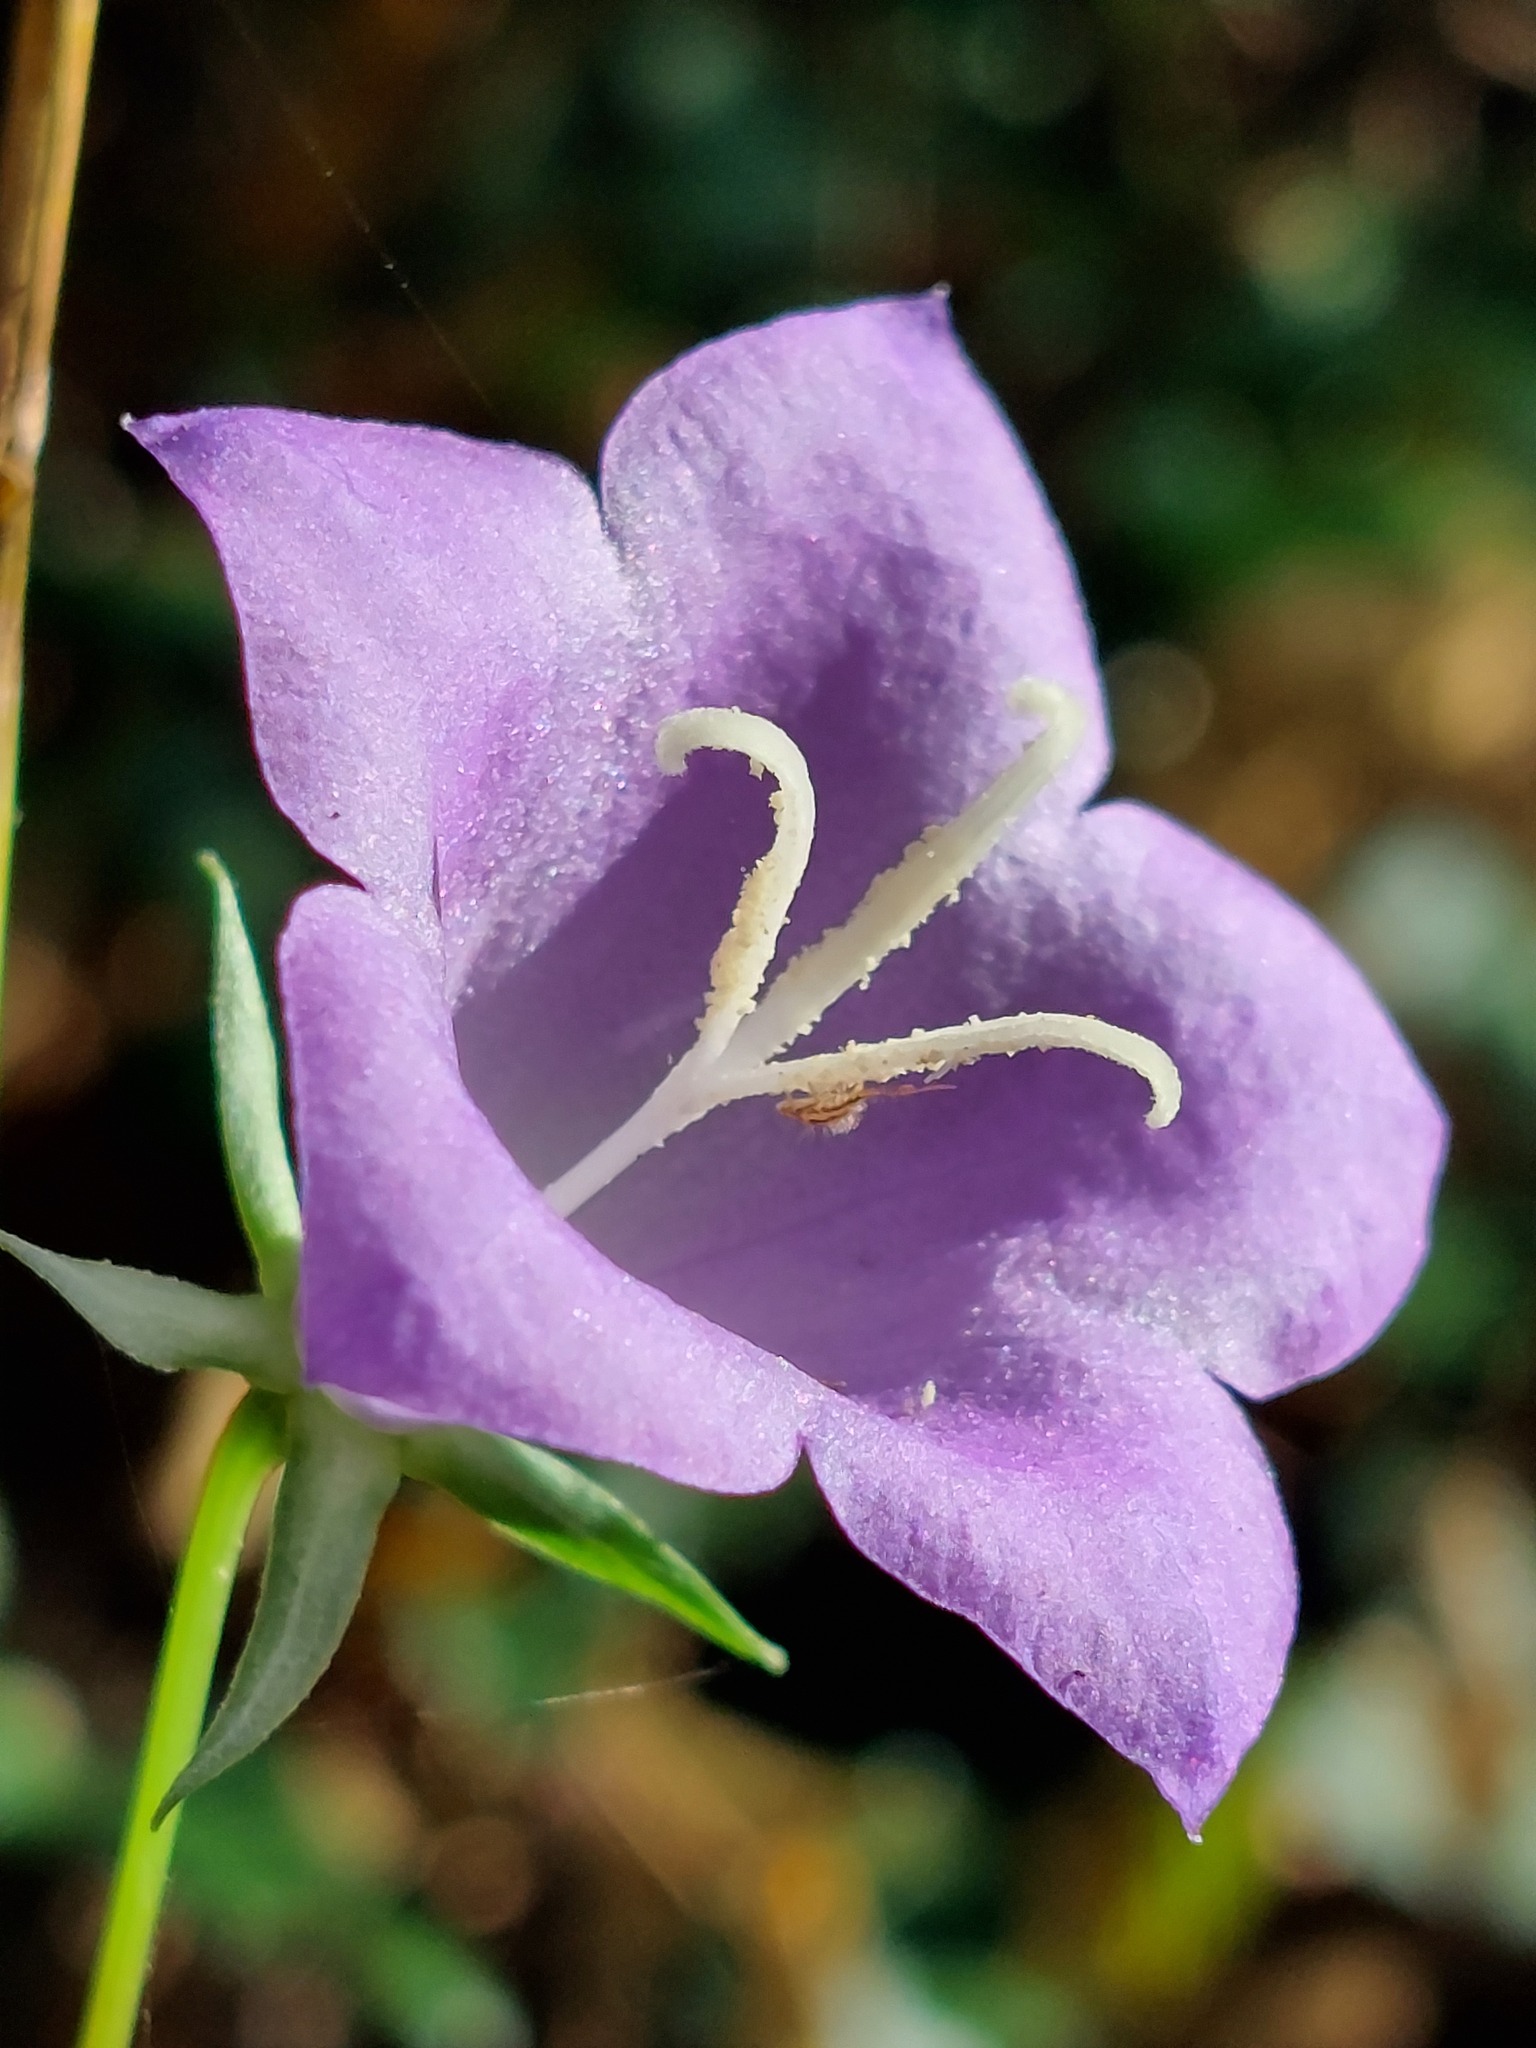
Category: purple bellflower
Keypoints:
(544, 1196)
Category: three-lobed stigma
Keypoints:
(745, 1029)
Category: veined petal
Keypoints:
(1118, 1533)
(457, 666)
(1266, 1234)
(827, 520)
(437, 1284)
(833, 504)
(433, 631)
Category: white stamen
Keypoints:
(959, 1045)
(739, 1035)
(744, 955)
(929, 873)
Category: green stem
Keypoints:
(252, 1444)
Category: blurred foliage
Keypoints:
(1257, 281)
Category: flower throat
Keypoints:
(743, 1032)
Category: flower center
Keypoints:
(742, 1033)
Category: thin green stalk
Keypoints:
(50, 69)
(252, 1444)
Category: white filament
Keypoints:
(733, 1056)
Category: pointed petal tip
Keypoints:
(159, 434)
(1194, 1788)
(928, 310)
(161, 431)
(148, 429)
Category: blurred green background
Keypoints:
(1257, 281)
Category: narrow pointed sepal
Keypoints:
(245, 1067)
(547, 1506)
(169, 1324)
(339, 1478)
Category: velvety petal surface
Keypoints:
(456, 668)
(436, 637)
(832, 504)
(436, 1283)
(1118, 1533)
(1266, 1234)
(826, 520)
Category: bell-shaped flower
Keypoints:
(606, 1147)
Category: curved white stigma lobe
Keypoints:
(739, 1035)
(743, 956)
(959, 1045)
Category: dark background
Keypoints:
(1257, 283)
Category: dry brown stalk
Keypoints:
(50, 67)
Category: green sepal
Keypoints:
(169, 1324)
(544, 1504)
(249, 1091)
(339, 1478)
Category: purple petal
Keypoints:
(1267, 1233)
(437, 1284)
(831, 508)
(455, 677)
(435, 638)
(1119, 1534)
